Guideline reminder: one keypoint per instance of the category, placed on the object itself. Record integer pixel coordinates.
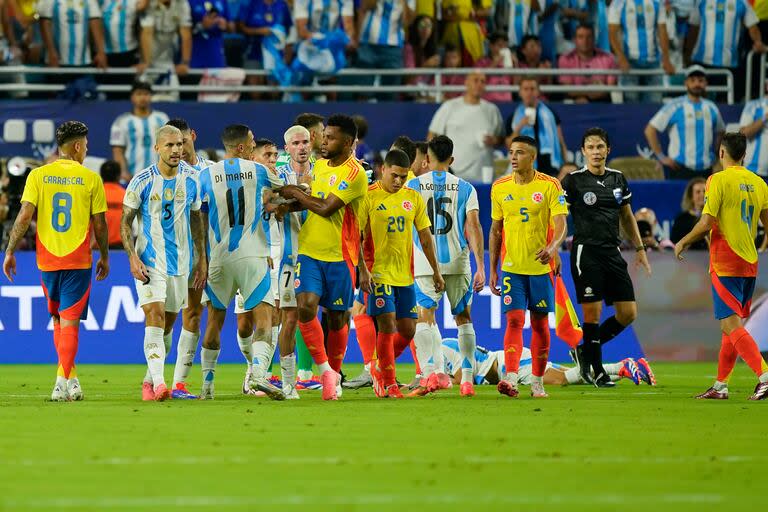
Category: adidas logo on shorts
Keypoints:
(541, 304)
(338, 302)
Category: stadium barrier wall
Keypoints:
(675, 320)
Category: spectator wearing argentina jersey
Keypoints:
(694, 126)
(383, 37)
(574, 13)
(132, 134)
(639, 39)
(534, 118)
(522, 20)
(714, 37)
(120, 19)
(68, 30)
(754, 125)
(323, 16)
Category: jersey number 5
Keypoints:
(438, 209)
(61, 219)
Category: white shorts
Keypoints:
(171, 290)
(285, 286)
(248, 275)
(458, 288)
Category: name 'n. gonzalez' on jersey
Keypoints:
(526, 211)
(595, 203)
(335, 238)
(448, 200)
(234, 190)
(165, 239)
(735, 197)
(292, 221)
(390, 222)
(66, 195)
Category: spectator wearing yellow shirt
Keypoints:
(462, 29)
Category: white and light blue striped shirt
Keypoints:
(202, 163)
(137, 135)
(165, 240)
(720, 25)
(522, 21)
(692, 128)
(237, 227)
(119, 25)
(323, 15)
(639, 20)
(448, 199)
(383, 25)
(547, 136)
(292, 221)
(71, 31)
(756, 159)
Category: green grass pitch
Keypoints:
(631, 448)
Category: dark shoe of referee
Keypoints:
(599, 199)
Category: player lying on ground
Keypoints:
(487, 371)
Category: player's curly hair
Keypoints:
(344, 123)
(69, 131)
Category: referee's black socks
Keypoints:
(592, 350)
(609, 330)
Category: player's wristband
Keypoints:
(641, 248)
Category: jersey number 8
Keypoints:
(62, 210)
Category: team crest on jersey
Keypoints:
(407, 206)
(617, 195)
(296, 283)
(590, 198)
(179, 195)
(343, 185)
(561, 199)
(332, 180)
(379, 303)
(168, 194)
(507, 300)
(537, 197)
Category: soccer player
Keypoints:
(68, 199)
(329, 247)
(190, 316)
(490, 368)
(528, 211)
(235, 189)
(258, 352)
(391, 213)
(314, 124)
(132, 135)
(166, 199)
(600, 200)
(298, 171)
(733, 198)
(453, 209)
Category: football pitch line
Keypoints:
(133, 502)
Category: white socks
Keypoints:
(288, 370)
(262, 355)
(613, 369)
(572, 375)
(154, 352)
(185, 356)
(423, 341)
(720, 386)
(325, 367)
(467, 345)
(437, 349)
(208, 360)
(246, 347)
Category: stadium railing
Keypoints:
(750, 73)
(436, 90)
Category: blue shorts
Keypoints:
(535, 293)
(732, 295)
(362, 298)
(400, 300)
(332, 281)
(67, 292)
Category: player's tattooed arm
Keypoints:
(126, 231)
(494, 247)
(20, 226)
(324, 207)
(200, 272)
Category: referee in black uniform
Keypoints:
(599, 199)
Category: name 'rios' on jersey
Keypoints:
(448, 200)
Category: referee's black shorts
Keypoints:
(600, 273)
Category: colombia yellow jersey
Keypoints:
(389, 220)
(336, 238)
(527, 212)
(735, 197)
(65, 194)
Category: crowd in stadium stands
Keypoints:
(538, 34)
